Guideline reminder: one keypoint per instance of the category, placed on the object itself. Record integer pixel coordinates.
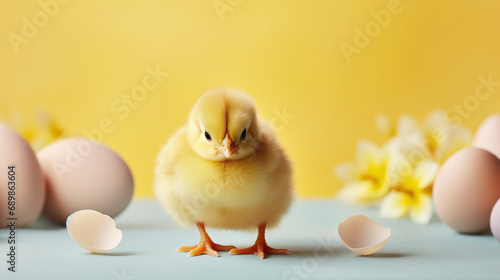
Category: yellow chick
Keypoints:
(225, 169)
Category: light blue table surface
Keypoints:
(309, 231)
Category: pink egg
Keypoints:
(488, 135)
(466, 188)
(21, 186)
(84, 174)
(495, 220)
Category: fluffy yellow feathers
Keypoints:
(225, 169)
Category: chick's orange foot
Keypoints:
(260, 247)
(205, 246)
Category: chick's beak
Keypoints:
(227, 147)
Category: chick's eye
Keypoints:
(243, 134)
(208, 136)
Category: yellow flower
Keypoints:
(365, 179)
(411, 191)
(443, 137)
(400, 174)
(44, 132)
(436, 135)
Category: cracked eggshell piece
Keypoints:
(362, 235)
(93, 231)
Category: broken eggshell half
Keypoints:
(362, 235)
(93, 231)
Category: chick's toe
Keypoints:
(205, 246)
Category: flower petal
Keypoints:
(413, 147)
(395, 205)
(368, 155)
(345, 172)
(376, 192)
(421, 209)
(456, 138)
(425, 173)
(435, 119)
(352, 193)
(406, 125)
(384, 125)
(362, 193)
(398, 169)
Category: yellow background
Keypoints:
(283, 53)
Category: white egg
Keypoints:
(362, 235)
(93, 231)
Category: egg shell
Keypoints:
(362, 235)
(84, 174)
(488, 135)
(466, 188)
(29, 190)
(93, 231)
(495, 220)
